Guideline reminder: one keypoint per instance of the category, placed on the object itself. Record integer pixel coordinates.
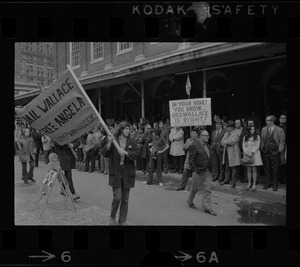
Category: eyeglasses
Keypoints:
(204, 134)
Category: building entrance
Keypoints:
(277, 93)
(165, 92)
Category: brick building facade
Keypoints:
(35, 63)
(139, 79)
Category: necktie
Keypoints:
(270, 131)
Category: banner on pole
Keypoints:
(62, 111)
(190, 112)
(188, 86)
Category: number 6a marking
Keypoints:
(65, 256)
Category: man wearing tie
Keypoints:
(217, 151)
(200, 161)
(272, 144)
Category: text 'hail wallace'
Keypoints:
(50, 101)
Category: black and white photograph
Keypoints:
(150, 133)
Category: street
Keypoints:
(148, 204)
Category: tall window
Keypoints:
(75, 54)
(50, 49)
(97, 51)
(42, 71)
(123, 47)
(40, 47)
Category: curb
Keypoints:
(260, 194)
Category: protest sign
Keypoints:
(62, 111)
(190, 112)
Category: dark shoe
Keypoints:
(210, 211)
(91, 171)
(233, 185)
(25, 182)
(214, 179)
(192, 206)
(179, 188)
(244, 181)
(105, 173)
(180, 172)
(224, 182)
(173, 171)
(31, 179)
(275, 187)
(86, 170)
(76, 197)
(266, 186)
(62, 193)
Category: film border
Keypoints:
(274, 245)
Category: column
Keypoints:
(99, 100)
(143, 98)
(204, 84)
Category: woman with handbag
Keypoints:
(251, 156)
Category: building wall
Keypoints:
(245, 91)
(31, 55)
(140, 51)
(153, 49)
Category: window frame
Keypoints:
(92, 53)
(71, 63)
(127, 50)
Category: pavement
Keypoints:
(148, 205)
(278, 196)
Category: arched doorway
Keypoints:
(130, 104)
(277, 92)
(218, 90)
(164, 92)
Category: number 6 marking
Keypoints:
(65, 256)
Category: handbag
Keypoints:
(247, 160)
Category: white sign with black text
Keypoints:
(190, 112)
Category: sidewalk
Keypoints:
(278, 196)
(92, 212)
(88, 212)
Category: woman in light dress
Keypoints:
(251, 145)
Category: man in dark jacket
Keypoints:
(200, 160)
(67, 162)
(121, 170)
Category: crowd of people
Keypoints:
(155, 146)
